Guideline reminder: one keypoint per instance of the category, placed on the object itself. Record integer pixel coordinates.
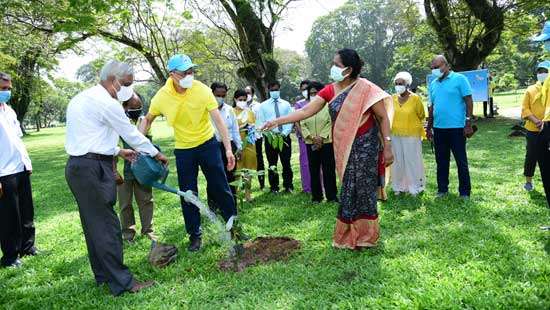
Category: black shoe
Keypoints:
(15, 264)
(31, 252)
(194, 244)
(289, 191)
(274, 191)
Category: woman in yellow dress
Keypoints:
(407, 171)
(246, 120)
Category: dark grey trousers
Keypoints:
(93, 185)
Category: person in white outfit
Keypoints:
(407, 171)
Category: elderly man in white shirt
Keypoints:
(16, 205)
(95, 121)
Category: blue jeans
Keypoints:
(208, 157)
(446, 141)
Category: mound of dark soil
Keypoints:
(259, 251)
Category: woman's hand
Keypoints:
(388, 155)
(270, 125)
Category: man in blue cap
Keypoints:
(189, 106)
(543, 143)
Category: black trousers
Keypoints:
(207, 157)
(446, 141)
(230, 174)
(92, 183)
(543, 159)
(16, 217)
(530, 154)
(260, 159)
(322, 158)
(273, 156)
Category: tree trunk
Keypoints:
(256, 45)
(23, 85)
(470, 55)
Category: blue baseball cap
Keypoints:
(180, 62)
(545, 33)
(544, 64)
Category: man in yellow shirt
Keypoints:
(189, 106)
(543, 143)
(533, 112)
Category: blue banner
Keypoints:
(479, 81)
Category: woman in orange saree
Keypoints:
(361, 115)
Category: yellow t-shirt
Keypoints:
(187, 113)
(532, 105)
(408, 118)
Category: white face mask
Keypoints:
(400, 89)
(241, 105)
(336, 73)
(304, 93)
(187, 81)
(248, 98)
(437, 72)
(125, 93)
(541, 77)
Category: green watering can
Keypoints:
(148, 171)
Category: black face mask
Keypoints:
(133, 114)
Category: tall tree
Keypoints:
(468, 30)
(374, 28)
(251, 25)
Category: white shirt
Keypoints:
(255, 107)
(95, 121)
(230, 120)
(13, 154)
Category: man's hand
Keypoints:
(537, 122)
(468, 130)
(429, 134)
(118, 178)
(1, 190)
(230, 160)
(270, 125)
(129, 155)
(162, 158)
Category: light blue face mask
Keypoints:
(437, 72)
(5, 96)
(220, 101)
(276, 94)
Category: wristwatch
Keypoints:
(468, 119)
(387, 139)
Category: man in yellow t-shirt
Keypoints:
(532, 111)
(188, 106)
(543, 143)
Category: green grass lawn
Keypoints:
(484, 254)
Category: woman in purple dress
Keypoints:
(304, 166)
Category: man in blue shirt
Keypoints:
(449, 124)
(270, 109)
